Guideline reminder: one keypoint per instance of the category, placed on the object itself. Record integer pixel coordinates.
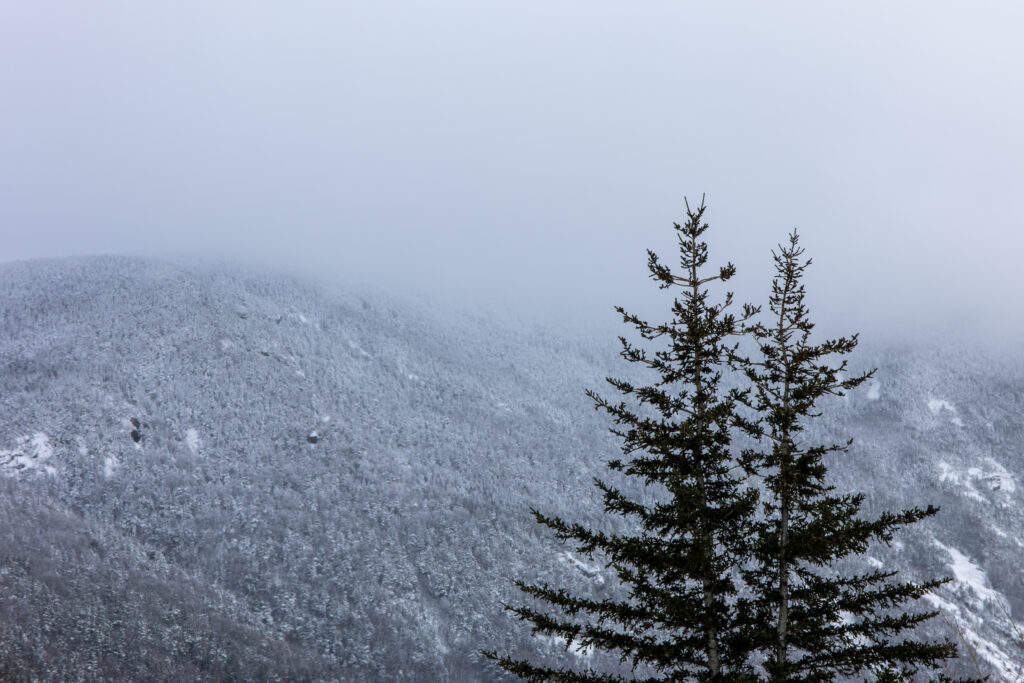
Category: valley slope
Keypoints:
(209, 474)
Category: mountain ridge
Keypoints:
(354, 474)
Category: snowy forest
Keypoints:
(563, 342)
(215, 475)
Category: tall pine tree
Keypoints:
(680, 619)
(812, 621)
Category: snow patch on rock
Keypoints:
(874, 390)
(192, 441)
(969, 577)
(110, 466)
(938, 406)
(588, 570)
(999, 478)
(29, 453)
(994, 477)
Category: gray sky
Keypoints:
(526, 153)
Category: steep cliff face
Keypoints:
(212, 474)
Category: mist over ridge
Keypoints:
(525, 156)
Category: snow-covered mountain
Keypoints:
(214, 475)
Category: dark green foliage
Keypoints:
(680, 619)
(739, 570)
(811, 621)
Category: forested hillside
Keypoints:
(211, 475)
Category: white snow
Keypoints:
(1002, 534)
(192, 441)
(949, 473)
(581, 651)
(41, 445)
(874, 562)
(29, 453)
(226, 344)
(110, 465)
(990, 652)
(941, 603)
(590, 571)
(999, 478)
(960, 621)
(874, 390)
(303, 319)
(994, 477)
(969, 576)
(939, 405)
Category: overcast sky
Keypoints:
(525, 154)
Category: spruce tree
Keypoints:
(679, 619)
(810, 620)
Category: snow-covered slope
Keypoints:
(235, 476)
